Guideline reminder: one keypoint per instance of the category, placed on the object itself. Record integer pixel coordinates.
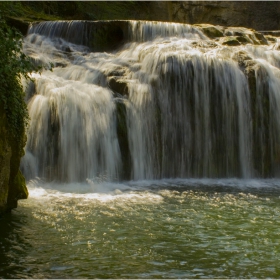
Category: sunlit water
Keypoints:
(181, 106)
(187, 112)
(185, 228)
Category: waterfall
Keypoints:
(167, 102)
(77, 32)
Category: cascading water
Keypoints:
(135, 149)
(170, 102)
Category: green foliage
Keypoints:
(76, 10)
(11, 8)
(14, 65)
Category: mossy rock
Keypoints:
(18, 190)
(242, 58)
(273, 33)
(271, 38)
(237, 31)
(12, 182)
(230, 41)
(17, 185)
(211, 31)
(260, 37)
(246, 35)
(118, 71)
(243, 39)
(204, 44)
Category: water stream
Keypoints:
(168, 103)
(184, 228)
(158, 159)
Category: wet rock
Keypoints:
(60, 64)
(230, 41)
(270, 38)
(274, 33)
(260, 37)
(276, 46)
(118, 85)
(245, 35)
(18, 190)
(243, 40)
(236, 31)
(123, 138)
(242, 58)
(211, 31)
(67, 49)
(204, 44)
(12, 183)
(259, 15)
(118, 71)
(29, 89)
(108, 35)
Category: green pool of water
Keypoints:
(151, 229)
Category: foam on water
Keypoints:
(148, 190)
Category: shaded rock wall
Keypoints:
(12, 182)
(259, 15)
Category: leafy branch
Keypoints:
(14, 65)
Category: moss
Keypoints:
(271, 38)
(17, 185)
(243, 59)
(262, 40)
(12, 182)
(230, 41)
(243, 39)
(30, 11)
(211, 31)
(17, 190)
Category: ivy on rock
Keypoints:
(14, 65)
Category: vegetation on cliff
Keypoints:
(13, 114)
(28, 11)
(259, 15)
(14, 65)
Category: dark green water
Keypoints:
(149, 229)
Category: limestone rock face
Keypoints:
(12, 182)
(259, 15)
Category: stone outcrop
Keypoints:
(12, 182)
(234, 36)
(259, 15)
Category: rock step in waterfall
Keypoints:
(131, 100)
